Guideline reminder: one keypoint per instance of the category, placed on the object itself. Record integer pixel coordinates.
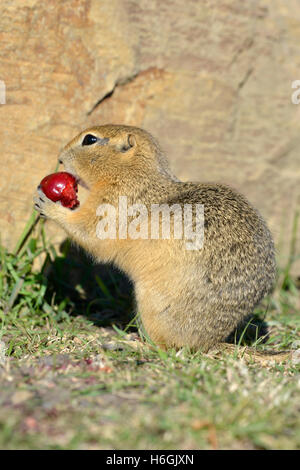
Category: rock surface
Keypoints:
(211, 80)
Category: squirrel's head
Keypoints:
(114, 155)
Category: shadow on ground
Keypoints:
(250, 331)
(98, 291)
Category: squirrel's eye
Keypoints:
(89, 139)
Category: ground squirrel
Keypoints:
(185, 297)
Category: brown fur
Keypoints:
(185, 298)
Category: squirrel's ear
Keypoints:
(129, 142)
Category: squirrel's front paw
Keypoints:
(46, 207)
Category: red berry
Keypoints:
(61, 187)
